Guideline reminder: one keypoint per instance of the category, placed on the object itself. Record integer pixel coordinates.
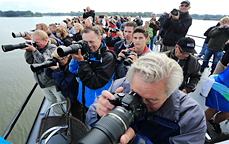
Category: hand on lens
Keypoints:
(104, 106)
(133, 57)
(55, 67)
(122, 54)
(127, 136)
(28, 37)
(78, 56)
(29, 47)
(176, 17)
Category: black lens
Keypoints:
(46, 64)
(64, 51)
(110, 128)
(7, 48)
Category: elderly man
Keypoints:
(39, 54)
(189, 64)
(173, 116)
(176, 26)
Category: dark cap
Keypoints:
(186, 1)
(187, 44)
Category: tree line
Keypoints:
(11, 13)
(72, 13)
(134, 14)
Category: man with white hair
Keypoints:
(173, 116)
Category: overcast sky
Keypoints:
(156, 6)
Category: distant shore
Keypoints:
(132, 14)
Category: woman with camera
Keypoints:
(66, 82)
(62, 35)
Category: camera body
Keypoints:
(174, 12)
(101, 16)
(46, 64)
(83, 45)
(21, 34)
(7, 48)
(127, 62)
(110, 128)
(114, 30)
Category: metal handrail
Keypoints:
(18, 114)
(196, 36)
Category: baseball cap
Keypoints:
(187, 44)
(186, 1)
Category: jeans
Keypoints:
(216, 58)
(53, 96)
(203, 50)
(152, 40)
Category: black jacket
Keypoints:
(67, 41)
(90, 13)
(176, 29)
(225, 58)
(191, 71)
(65, 81)
(120, 46)
(76, 37)
(96, 73)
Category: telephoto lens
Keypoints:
(112, 126)
(11, 47)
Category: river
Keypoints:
(16, 78)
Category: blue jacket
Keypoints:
(96, 75)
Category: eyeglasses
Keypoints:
(184, 5)
(182, 52)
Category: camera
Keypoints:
(21, 34)
(114, 30)
(46, 64)
(127, 62)
(7, 48)
(174, 12)
(101, 16)
(110, 128)
(83, 45)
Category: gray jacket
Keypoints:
(39, 56)
(179, 110)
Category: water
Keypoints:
(16, 79)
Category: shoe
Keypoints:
(202, 70)
(215, 127)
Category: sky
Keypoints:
(156, 6)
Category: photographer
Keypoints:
(66, 82)
(173, 116)
(176, 25)
(155, 25)
(88, 12)
(140, 37)
(62, 35)
(39, 55)
(45, 28)
(128, 41)
(95, 74)
(218, 37)
(182, 53)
